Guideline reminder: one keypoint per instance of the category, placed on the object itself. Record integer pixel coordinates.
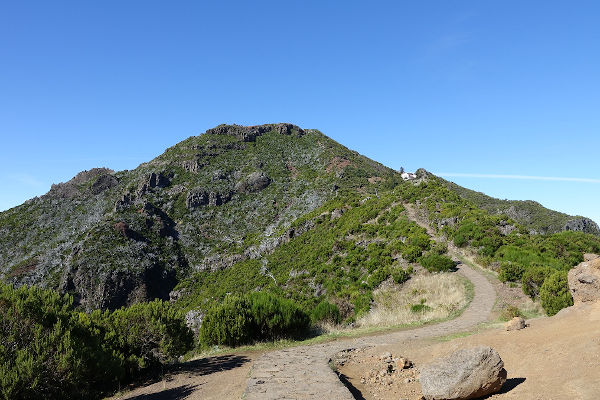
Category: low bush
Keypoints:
(254, 317)
(400, 275)
(45, 352)
(555, 294)
(326, 312)
(436, 263)
(146, 334)
(48, 350)
(533, 279)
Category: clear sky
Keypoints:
(465, 89)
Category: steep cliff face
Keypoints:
(114, 238)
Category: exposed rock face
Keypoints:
(465, 374)
(193, 319)
(72, 188)
(250, 133)
(254, 182)
(104, 182)
(506, 228)
(447, 222)
(199, 197)
(515, 324)
(584, 280)
(583, 225)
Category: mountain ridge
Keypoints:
(242, 208)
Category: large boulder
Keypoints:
(584, 280)
(465, 374)
(254, 182)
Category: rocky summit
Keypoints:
(116, 238)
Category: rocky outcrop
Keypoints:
(506, 228)
(465, 374)
(193, 320)
(154, 180)
(254, 182)
(104, 182)
(201, 197)
(73, 187)
(582, 224)
(250, 133)
(584, 280)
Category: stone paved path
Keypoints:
(303, 372)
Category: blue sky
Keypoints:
(459, 88)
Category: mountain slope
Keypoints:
(531, 214)
(271, 207)
(208, 202)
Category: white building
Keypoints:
(408, 176)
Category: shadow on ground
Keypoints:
(178, 393)
(509, 385)
(195, 368)
(210, 365)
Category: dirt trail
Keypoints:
(303, 372)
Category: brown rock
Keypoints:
(584, 280)
(515, 324)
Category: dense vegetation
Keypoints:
(535, 260)
(257, 316)
(48, 350)
(351, 245)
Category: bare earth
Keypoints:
(303, 372)
(553, 358)
(213, 378)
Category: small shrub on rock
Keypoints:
(555, 294)
(509, 312)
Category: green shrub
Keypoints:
(400, 275)
(460, 240)
(49, 351)
(436, 263)
(439, 248)
(411, 253)
(510, 272)
(257, 316)
(555, 294)
(146, 334)
(229, 323)
(420, 308)
(275, 317)
(533, 279)
(326, 312)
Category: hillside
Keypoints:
(273, 208)
(530, 214)
(113, 238)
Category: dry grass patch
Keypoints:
(422, 299)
